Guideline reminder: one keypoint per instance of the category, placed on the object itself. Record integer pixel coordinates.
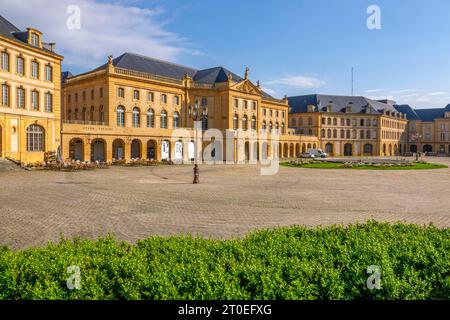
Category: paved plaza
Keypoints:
(135, 203)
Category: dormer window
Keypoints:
(34, 40)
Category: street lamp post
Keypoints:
(416, 138)
(196, 114)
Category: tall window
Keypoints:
(151, 96)
(48, 102)
(5, 61)
(49, 74)
(204, 101)
(35, 138)
(150, 118)
(235, 122)
(83, 114)
(164, 119)
(270, 126)
(121, 93)
(136, 95)
(164, 98)
(283, 129)
(244, 123)
(35, 69)
(91, 114)
(176, 120)
(120, 113)
(264, 125)
(253, 123)
(236, 103)
(5, 95)
(35, 100)
(136, 118)
(20, 98)
(20, 66)
(176, 100)
(34, 40)
(101, 114)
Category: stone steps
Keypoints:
(6, 165)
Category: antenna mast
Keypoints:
(352, 81)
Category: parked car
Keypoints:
(315, 153)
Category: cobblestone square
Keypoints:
(135, 203)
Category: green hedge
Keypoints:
(287, 263)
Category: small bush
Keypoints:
(287, 263)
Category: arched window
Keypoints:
(270, 126)
(244, 122)
(334, 122)
(35, 138)
(277, 126)
(136, 117)
(235, 122)
(150, 118)
(335, 134)
(176, 120)
(264, 125)
(253, 123)
(120, 112)
(283, 129)
(164, 119)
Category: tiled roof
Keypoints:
(300, 104)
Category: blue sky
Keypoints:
(291, 46)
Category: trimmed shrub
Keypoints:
(286, 263)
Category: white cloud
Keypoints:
(106, 28)
(270, 91)
(413, 97)
(302, 82)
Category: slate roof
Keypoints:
(65, 75)
(359, 104)
(427, 115)
(8, 30)
(137, 62)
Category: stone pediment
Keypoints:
(247, 87)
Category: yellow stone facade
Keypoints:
(30, 98)
(154, 107)
(430, 136)
(354, 134)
